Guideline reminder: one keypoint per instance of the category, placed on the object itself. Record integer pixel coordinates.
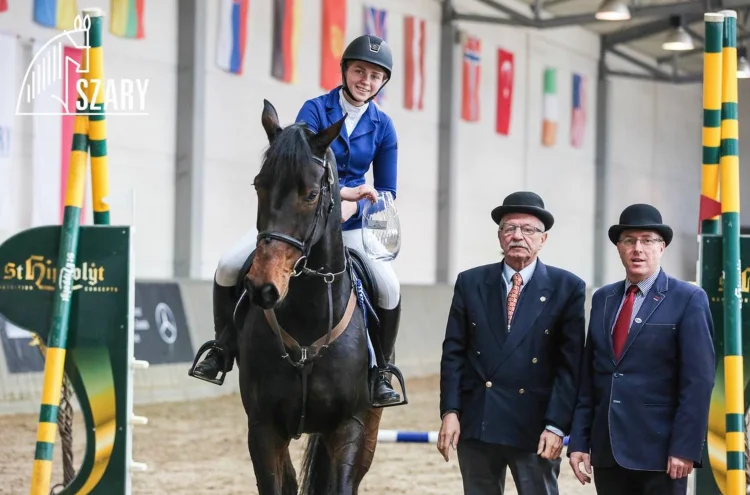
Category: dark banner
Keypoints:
(20, 355)
(162, 335)
(161, 329)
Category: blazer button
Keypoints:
(488, 384)
(534, 360)
(546, 332)
(478, 353)
(521, 391)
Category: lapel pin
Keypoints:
(637, 320)
(542, 298)
(657, 298)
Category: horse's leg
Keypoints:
(289, 475)
(346, 445)
(366, 455)
(269, 452)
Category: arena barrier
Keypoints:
(723, 260)
(405, 436)
(73, 287)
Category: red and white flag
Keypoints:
(578, 116)
(505, 71)
(471, 73)
(53, 108)
(414, 44)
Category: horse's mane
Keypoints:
(285, 158)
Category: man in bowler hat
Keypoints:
(648, 371)
(511, 359)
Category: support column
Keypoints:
(602, 167)
(189, 169)
(445, 144)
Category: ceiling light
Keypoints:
(743, 67)
(613, 10)
(677, 39)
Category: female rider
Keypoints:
(369, 137)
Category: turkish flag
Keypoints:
(504, 90)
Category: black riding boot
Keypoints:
(223, 299)
(387, 333)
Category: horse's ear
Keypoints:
(270, 120)
(322, 140)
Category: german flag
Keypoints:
(286, 15)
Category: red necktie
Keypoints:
(513, 296)
(622, 325)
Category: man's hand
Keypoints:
(576, 458)
(347, 210)
(678, 467)
(449, 433)
(550, 445)
(359, 192)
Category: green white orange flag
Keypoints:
(550, 108)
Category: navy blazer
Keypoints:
(507, 386)
(653, 403)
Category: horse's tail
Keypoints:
(316, 467)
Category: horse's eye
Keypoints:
(312, 196)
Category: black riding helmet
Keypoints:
(368, 48)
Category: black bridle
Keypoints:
(308, 354)
(300, 266)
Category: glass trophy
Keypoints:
(381, 229)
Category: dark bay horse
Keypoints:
(302, 345)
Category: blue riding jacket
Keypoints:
(373, 140)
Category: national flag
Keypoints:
(549, 105)
(3, 5)
(505, 73)
(471, 73)
(126, 18)
(578, 115)
(53, 139)
(232, 36)
(286, 20)
(332, 42)
(376, 25)
(58, 14)
(9, 82)
(414, 45)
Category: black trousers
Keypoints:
(620, 481)
(484, 467)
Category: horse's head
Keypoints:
(296, 186)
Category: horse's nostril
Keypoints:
(269, 294)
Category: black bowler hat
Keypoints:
(524, 202)
(640, 217)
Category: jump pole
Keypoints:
(408, 436)
(720, 264)
(730, 235)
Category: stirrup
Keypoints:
(211, 345)
(389, 368)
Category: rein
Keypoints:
(310, 353)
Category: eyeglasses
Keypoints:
(510, 229)
(630, 242)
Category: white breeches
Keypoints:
(231, 263)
